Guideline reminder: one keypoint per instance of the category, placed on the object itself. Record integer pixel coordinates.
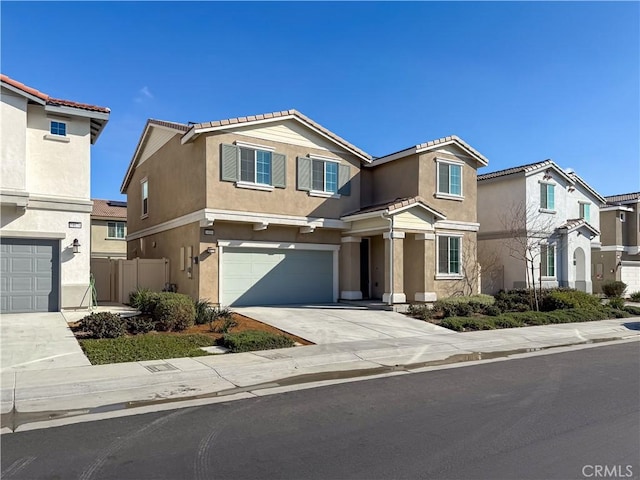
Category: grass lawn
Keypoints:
(151, 346)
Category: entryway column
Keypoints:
(394, 268)
(427, 264)
(350, 268)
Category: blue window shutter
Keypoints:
(344, 180)
(229, 163)
(304, 173)
(278, 170)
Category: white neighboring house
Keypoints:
(45, 198)
(549, 211)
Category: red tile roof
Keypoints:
(109, 208)
(50, 100)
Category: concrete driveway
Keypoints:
(38, 341)
(336, 323)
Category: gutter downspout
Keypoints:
(386, 216)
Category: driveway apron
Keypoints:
(336, 323)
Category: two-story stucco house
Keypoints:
(109, 229)
(619, 258)
(276, 209)
(538, 226)
(45, 198)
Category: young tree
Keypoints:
(526, 228)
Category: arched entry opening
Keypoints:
(580, 269)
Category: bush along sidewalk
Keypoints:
(511, 309)
(251, 340)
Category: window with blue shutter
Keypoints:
(323, 176)
(252, 166)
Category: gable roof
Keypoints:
(199, 128)
(99, 115)
(574, 224)
(396, 206)
(622, 198)
(569, 175)
(431, 145)
(528, 168)
(109, 209)
(179, 128)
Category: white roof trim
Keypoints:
(22, 93)
(419, 149)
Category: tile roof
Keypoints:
(50, 100)
(109, 208)
(575, 223)
(521, 169)
(164, 123)
(276, 115)
(396, 204)
(625, 197)
(449, 139)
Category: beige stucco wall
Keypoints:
(71, 159)
(393, 180)
(13, 148)
(104, 247)
(377, 266)
(177, 186)
(286, 201)
(497, 199)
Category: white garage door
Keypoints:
(28, 275)
(259, 276)
(630, 274)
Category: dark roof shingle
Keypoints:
(622, 198)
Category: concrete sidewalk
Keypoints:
(34, 399)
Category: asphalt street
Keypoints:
(559, 416)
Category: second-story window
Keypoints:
(449, 178)
(145, 197)
(585, 211)
(324, 176)
(58, 128)
(547, 196)
(115, 229)
(255, 166)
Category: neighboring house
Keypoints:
(109, 229)
(620, 255)
(276, 209)
(45, 198)
(538, 225)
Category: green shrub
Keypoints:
(203, 310)
(478, 298)
(251, 340)
(491, 310)
(173, 311)
(635, 311)
(517, 300)
(222, 320)
(614, 288)
(616, 302)
(420, 311)
(143, 299)
(635, 297)
(568, 298)
(140, 324)
(461, 324)
(103, 325)
(507, 321)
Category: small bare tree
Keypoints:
(525, 229)
(470, 267)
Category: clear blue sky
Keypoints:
(520, 82)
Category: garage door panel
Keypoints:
(29, 273)
(271, 277)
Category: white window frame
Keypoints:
(51, 122)
(324, 193)
(546, 209)
(115, 224)
(545, 258)
(449, 276)
(445, 195)
(143, 197)
(584, 205)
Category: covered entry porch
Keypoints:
(390, 252)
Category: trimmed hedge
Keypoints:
(251, 340)
(522, 319)
(635, 297)
(104, 325)
(173, 311)
(563, 299)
